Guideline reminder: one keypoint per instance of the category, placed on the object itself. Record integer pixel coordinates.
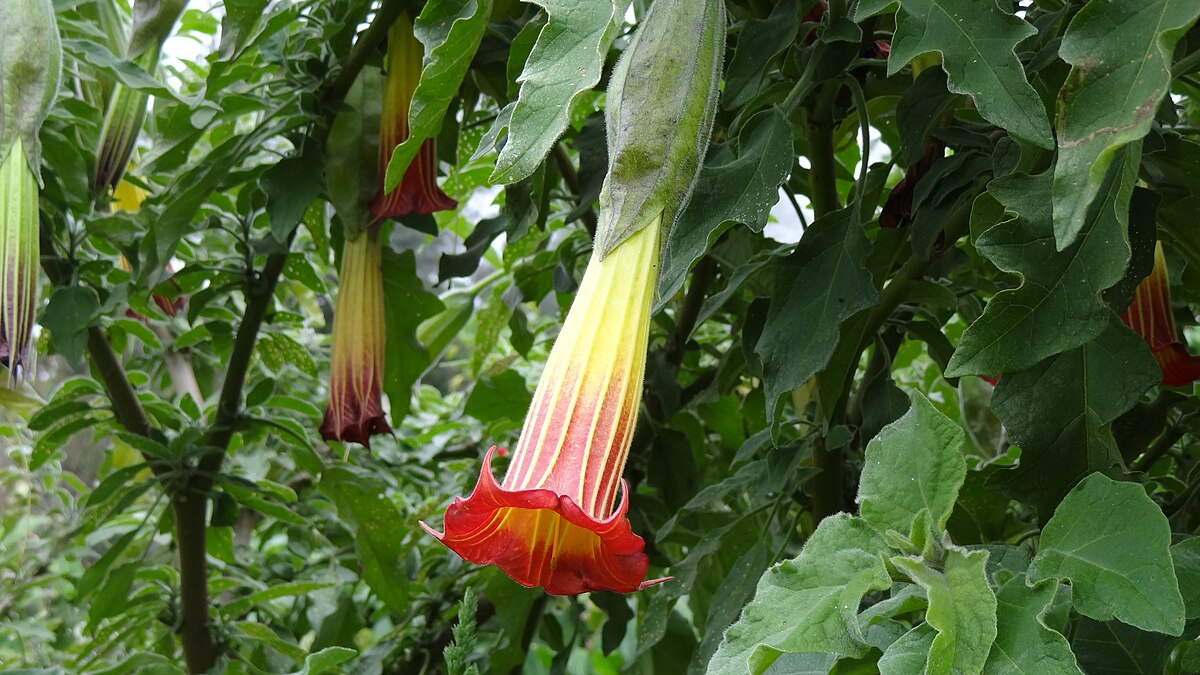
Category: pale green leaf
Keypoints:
(914, 463)
(1024, 644)
(962, 609)
(1113, 543)
(821, 588)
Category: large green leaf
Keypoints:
(409, 304)
(1060, 413)
(451, 31)
(565, 62)
(915, 463)
(976, 39)
(819, 286)
(1024, 325)
(962, 609)
(380, 531)
(1120, 51)
(1024, 644)
(821, 589)
(730, 190)
(759, 41)
(1113, 543)
(1112, 648)
(1186, 557)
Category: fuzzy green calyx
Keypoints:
(660, 112)
(18, 260)
(30, 69)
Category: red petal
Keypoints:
(1179, 368)
(539, 538)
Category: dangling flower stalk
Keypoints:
(355, 410)
(558, 519)
(418, 192)
(30, 65)
(1150, 316)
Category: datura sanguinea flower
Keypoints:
(1150, 316)
(418, 192)
(355, 410)
(551, 523)
(558, 519)
(30, 63)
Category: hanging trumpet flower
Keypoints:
(1150, 316)
(126, 111)
(418, 192)
(355, 410)
(30, 65)
(552, 521)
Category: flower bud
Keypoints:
(30, 67)
(660, 112)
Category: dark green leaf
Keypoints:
(67, 316)
(1024, 644)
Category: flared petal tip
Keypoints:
(358, 430)
(539, 538)
(1179, 368)
(401, 203)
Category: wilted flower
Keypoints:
(30, 64)
(418, 193)
(1150, 315)
(552, 522)
(355, 410)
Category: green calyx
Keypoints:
(660, 112)
(152, 24)
(18, 259)
(30, 68)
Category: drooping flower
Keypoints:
(30, 67)
(552, 522)
(1150, 316)
(558, 518)
(355, 410)
(418, 192)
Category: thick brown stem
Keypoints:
(195, 630)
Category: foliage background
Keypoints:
(1071, 148)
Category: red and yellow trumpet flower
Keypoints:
(552, 522)
(1150, 316)
(355, 410)
(418, 192)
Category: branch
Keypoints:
(567, 169)
(689, 311)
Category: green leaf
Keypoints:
(976, 39)
(759, 41)
(381, 532)
(1113, 543)
(730, 190)
(1121, 51)
(818, 287)
(1060, 413)
(1186, 557)
(962, 609)
(1113, 648)
(352, 153)
(326, 660)
(408, 303)
(503, 397)
(914, 463)
(451, 31)
(565, 62)
(910, 653)
(278, 350)
(822, 589)
(67, 316)
(1022, 326)
(291, 185)
(1024, 644)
